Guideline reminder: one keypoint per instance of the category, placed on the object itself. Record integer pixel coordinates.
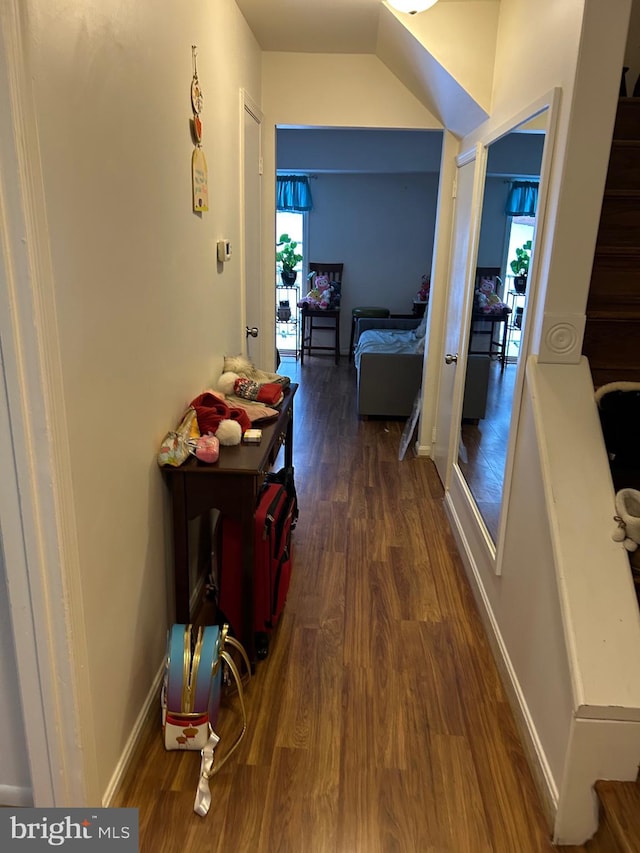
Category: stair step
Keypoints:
(604, 375)
(621, 193)
(626, 254)
(611, 346)
(615, 282)
(613, 309)
(624, 164)
(627, 124)
(620, 803)
(619, 221)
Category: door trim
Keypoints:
(36, 508)
(446, 451)
(267, 329)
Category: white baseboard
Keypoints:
(531, 742)
(11, 795)
(127, 753)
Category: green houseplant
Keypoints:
(520, 267)
(288, 258)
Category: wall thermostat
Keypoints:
(224, 250)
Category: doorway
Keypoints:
(374, 199)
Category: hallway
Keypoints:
(378, 721)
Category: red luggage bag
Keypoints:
(274, 520)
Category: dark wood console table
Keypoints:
(231, 485)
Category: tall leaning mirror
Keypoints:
(497, 324)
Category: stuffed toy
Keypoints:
(216, 417)
(425, 289)
(325, 298)
(627, 517)
(486, 299)
(325, 291)
(320, 296)
(243, 367)
(312, 299)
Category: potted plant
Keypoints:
(520, 267)
(288, 259)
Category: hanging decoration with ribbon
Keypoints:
(199, 171)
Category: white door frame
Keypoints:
(36, 510)
(262, 351)
(457, 315)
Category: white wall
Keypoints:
(337, 90)
(468, 57)
(524, 612)
(381, 227)
(144, 313)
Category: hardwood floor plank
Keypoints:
(458, 790)
(415, 584)
(436, 685)
(505, 780)
(301, 806)
(264, 696)
(239, 825)
(311, 698)
(318, 588)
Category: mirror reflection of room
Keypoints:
(501, 287)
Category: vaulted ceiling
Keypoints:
(321, 26)
(444, 56)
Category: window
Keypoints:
(293, 225)
(287, 324)
(521, 229)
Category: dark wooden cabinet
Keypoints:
(231, 485)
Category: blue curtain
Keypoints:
(293, 193)
(522, 199)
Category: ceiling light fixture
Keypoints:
(411, 7)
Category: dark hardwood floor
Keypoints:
(378, 722)
(484, 446)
